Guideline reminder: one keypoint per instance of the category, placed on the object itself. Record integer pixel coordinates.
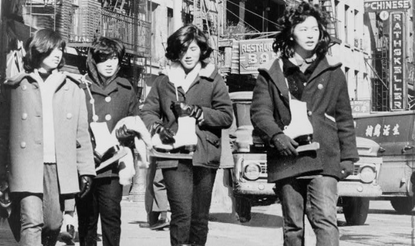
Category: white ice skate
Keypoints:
(300, 128)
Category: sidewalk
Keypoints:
(263, 230)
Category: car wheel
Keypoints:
(243, 209)
(403, 205)
(355, 210)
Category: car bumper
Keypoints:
(345, 188)
(358, 189)
(254, 188)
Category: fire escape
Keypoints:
(79, 22)
(380, 88)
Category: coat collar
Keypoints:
(326, 63)
(273, 70)
(113, 86)
(208, 71)
(59, 77)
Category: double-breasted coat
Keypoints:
(208, 91)
(110, 104)
(21, 134)
(328, 109)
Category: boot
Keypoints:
(68, 237)
(300, 128)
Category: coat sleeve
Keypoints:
(151, 108)
(4, 131)
(220, 114)
(134, 106)
(85, 158)
(262, 111)
(345, 124)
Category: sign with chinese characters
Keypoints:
(385, 130)
(360, 106)
(253, 53)
(377, 6)
(397, 62)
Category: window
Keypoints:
(346, 24)
(169, 22)
(356, 84)
(357, 41)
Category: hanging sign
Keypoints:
(253, 53)
(397, 66)
(377, 6)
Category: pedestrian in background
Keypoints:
(45, 136)
(110, 98)
(192, 87)
(156, 202)
(306, 182)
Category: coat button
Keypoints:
(320, 86)
(91, 101)
(309, 113)
(69, 116)
(66, 87)
(95, 118)
(108, 99)
(24, 87)
(23, 145)
(24, 116)
(108, 117)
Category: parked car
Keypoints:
(395, 134)
(249, 175)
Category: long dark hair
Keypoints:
(40, 46)
(284, 41)
(180, 40)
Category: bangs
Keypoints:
(104, 55)
(48, 41)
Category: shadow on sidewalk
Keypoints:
(257, 220)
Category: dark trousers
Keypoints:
(316, 198)
(104, 201)
(189, 191)
(155, 195)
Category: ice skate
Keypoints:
(300, 128)
(185, 138)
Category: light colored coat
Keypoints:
(21, 134)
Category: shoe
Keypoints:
(66, 238)
(161, 224)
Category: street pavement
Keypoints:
(263, 230)
(383, 228)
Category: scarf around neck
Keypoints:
(179, 78)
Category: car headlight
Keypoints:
(252, 171)
(367, 174)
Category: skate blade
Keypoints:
(121, 153)
(308, 147)
(170, 155)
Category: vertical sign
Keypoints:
(397, 71)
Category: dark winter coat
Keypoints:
(208, 91)
(112, 103)
(329, 112)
